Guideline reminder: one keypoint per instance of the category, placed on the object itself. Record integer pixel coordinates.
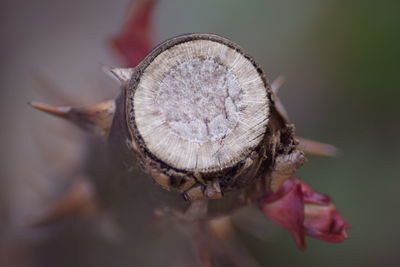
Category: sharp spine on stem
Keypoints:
(96, 119)
(121, 75)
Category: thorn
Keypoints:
(78, 201)
(280, 108)
(96, 119)
(53, 110)
(317, 148)
(277, 83)
(121, 75)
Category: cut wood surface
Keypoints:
(200, 104)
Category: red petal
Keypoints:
(325, 222)
(135, 40)
(286, 208)
(314, 197)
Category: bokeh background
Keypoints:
(341, 63)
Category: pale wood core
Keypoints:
(201, 106)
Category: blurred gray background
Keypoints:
(341, 63)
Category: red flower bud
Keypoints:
(304, 212)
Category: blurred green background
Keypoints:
(341, 63)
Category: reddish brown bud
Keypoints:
(304, 212)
